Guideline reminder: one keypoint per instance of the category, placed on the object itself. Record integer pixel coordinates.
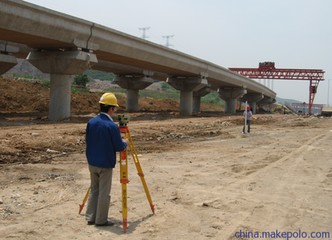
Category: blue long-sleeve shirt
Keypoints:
(103, 140)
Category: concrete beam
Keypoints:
(123, 70)
(62, 66)
(229, 95)
(186, 86)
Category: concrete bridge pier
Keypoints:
(229, 95)
(60, 97)
(62, 66)
(197, 94)
(266, 102)
(186, 86)
(133, 84)
(252, 99)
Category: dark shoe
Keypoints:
(91, 223)
(108, 223)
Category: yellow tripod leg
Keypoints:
(124, 180)
(124, 175)
(139, 170)
(84, 200)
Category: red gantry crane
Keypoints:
(267, 70)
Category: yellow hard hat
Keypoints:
(109, 99)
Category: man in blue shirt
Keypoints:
(103, 140)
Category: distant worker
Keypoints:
(103, 140)
(247, 119)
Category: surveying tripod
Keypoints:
(123, 120)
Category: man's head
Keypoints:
(108, 101)
(248, 108)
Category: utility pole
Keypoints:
(144, 29)
(167, 40)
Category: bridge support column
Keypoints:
(252, 99)
(186, 87)
(197, 94)
(62, 66)
(60, 97)
(133, 84)
(229, 95)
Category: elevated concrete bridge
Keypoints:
(65, 46)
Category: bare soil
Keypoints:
(206, 179)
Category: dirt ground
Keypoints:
(206, 179)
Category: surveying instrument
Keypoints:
(124, 130)
(123, 121)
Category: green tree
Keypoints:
(81, 80)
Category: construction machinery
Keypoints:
(267, 70)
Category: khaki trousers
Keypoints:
(99, 198)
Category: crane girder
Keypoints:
(267, 70)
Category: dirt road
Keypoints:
(206, 179)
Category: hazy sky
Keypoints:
(230, 33)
